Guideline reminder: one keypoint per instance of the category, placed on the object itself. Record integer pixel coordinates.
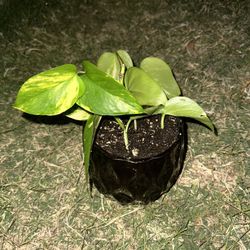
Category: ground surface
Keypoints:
(43, 201)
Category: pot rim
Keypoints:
(135, 161)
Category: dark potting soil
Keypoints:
(147, 140)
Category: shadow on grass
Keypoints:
(189, 120)
(51, 120)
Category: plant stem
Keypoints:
(122, 71)
(162, 120)
(135, 124)
(125, 136)
(121, 75)
(120, 123)
(125, 133)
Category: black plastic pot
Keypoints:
(139, 180)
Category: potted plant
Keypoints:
(133, 135)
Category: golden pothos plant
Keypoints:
(113, 87)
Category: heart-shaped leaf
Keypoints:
(158, 70)
(185, 107)
(77, 113)
(125, 57)
(146, 91)
(109, 63)
(105, 96)
(51, 92)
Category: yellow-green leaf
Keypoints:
(186, 107)
(89, 132)
(109, 63)
(125, 57)
(158, 70)
(146, 91)
(51, 92)
(105, 96)
(78, 114)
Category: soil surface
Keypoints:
(147, 140)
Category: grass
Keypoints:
(44, 203)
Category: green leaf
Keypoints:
(146, 91)
(185, 107)
(105, 96)
(109, 63)
(78, 114)
(158, 70)
(125, 58)
(88, 139)
(51, 92)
